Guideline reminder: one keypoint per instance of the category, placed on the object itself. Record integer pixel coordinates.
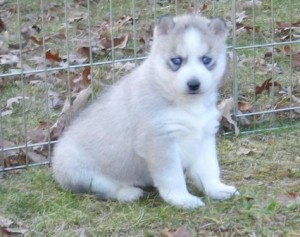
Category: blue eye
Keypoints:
(176, 61)
(206, 60)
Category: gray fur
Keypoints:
(147, 128)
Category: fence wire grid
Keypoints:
(54, 52)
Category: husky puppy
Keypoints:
(155, 124)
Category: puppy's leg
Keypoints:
(80, 177)
(205, 172)
(129, 194)
(106, 188)
(167, 174)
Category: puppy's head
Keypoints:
(189, 54)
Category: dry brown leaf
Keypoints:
(57, 129)
(268, 54)
(292, 195)
(16, 160)
(285, 25)
(180, 232)
(17, 230)
(69, 112)
(296, 33)
(242, 28)
(36, 40)
(266, 86)
(296, 60)
(39, 134)
(75, 80)
(287, 50)
(80, 81)
(84, 51)
(118, 43)
(13, 9)
(52, 57)
(244, 106)
(11, 157)
(59, 36)
(86, 76)
(2, 82)
(2, 25)
(286, 31)
(80, 101)
(203, 7)
(294, 53)
(288, 100)
(243, 151)
(268, 68)
(225, 108)
(248, 197)
(295, 99)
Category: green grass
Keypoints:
(266, 179)
(35, 109)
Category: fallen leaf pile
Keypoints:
(46, 59)
(68, 89)
(270, 89)
(180, 232)
(9, 228)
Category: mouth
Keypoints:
(193, 92)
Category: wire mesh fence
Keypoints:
(55, 55)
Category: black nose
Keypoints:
(193, 84)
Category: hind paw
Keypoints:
(129, 194)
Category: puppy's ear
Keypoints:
(165, 25)
(219, 28)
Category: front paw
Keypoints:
(221, 191)
(185, 201)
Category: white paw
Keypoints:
(129, 194)
(221, 191)
(184, 201)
